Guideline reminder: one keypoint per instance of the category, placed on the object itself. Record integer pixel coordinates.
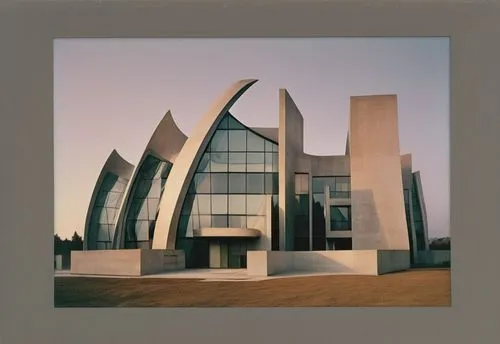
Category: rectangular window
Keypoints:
(219, 221)
(255, 162)
(237, 204)
(237, 162)
(340, 218)
(219, 204)
(255, 183)
(218, 162)
(237, 183)
(237, 141)
(219, 183)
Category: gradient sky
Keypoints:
(111, 93)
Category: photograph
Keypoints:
(252, 172)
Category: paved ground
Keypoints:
(417, 287)
(207, 275)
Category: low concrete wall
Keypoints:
(433, 258)
(364, 262)
(392, 260)
(134, 262)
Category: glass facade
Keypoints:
(233, 179)
(418, 221)
(340, 218)
(104, 213)
(340, 188)
(144, 201)
(406, 194)
(302, 234)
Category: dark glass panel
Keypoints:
(255, 183)
(219, 221)
(234, 123)
(219, 183)
(237, 183)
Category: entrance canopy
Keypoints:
(226, 233)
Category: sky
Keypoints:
(111, 94)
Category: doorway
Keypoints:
(228, 254)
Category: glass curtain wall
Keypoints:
(340, 188)
(301, 229)
(146, 194)
(418, 218)
(105, 210)
(233, 179)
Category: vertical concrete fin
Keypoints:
(291, 145)
(378, 211)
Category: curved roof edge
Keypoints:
(165, 143)
(186, 162)
(268, 133)
(116, 165)
(167, 139)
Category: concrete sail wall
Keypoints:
(378, 212)
(185, 165)
(165, 144)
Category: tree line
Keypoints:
(440, 244)
(65, 246)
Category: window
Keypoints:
(234, 178)
(146, 194)
(302, 233)
(340, 218)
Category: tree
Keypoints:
(76, 242)
(440, 244)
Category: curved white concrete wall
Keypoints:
(116, 165)
(185, 165)
(165, 144)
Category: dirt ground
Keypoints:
(418, 287)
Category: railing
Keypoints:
(340, 194)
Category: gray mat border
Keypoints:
(26, 144)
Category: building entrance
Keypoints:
(228, 254)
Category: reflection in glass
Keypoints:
(237, 162)
(219, 204)
(255, 162)
(218, 162)
(219, 183)
(237, 141)
(255, 183)
(219, 141)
